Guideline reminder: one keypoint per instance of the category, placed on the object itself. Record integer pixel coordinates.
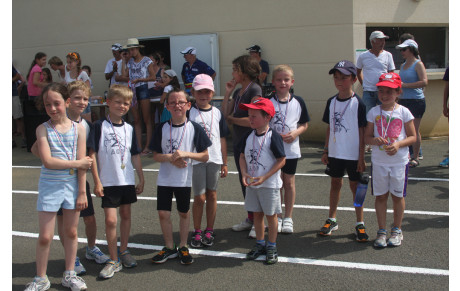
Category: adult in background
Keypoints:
(371, 65)
(113, 66)
(193, 67)
(414, 79)
(17, 108)
(256, 52)
(57, 65)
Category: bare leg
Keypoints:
(60, 228)
(334, 196)
(46, 221)
(272, 221)
(418, 142)
(381, 210)
(399, 204)
(166, 227)
(90, 230)
(145, 107)
(71, 217)
(125, 226)
(111, 231)
(259, 225)
(197, 210)
(289, 193)
(184, 227)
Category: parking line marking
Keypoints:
(291, 260)
(297, 174)
(418, 212)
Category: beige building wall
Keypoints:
(309, 35)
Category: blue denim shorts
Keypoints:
(416, 106)
(142, 92)
(371, 99)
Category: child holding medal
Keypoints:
(174, 144)
(345, 115)
(261, 159)
(390, 130)
(114, 150)
(62, 149)
(206, 175)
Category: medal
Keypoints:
(71, 171)
(122, 166)
(251, 180)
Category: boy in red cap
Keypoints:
(261, 159)
(390, 131)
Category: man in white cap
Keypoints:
(371, 65)
(193, 67)
(114, 64)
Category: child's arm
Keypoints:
(34, 150)
(167, 158)
(277, 166)
(163, 98)
(361, 162)
(393, 148)
(244, 170)
(82, 201)
(200, 157)
(292, 135)
(227, 104)
(50, 162)
(98, 188)
(136, 160)
(325, 154)
(124, 77)
(223, 150)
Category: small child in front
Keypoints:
(62, 149)
(206, 175)
(113, 143)
(174, 144)
(290, 120)
(390, 130)
(345, 115)
(261, 159)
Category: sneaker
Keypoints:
(184, 255)
(72, 281)
(381, 239)
(164, 255)
(288, 225)
(79, 269)
(255, 252)
(244, 225)
(328, 227)
(208, 238)
(361, 234)
(252, 233)
(127, 260)
(368, 148)
(396, 237)
(271, 256)
(280, 224)
(420, 157)
(95, 254)
(111, 267)
(38, 284)
(195, 242)
(444, 163)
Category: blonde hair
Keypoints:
(283, 68)
(78, 85)
(122, 91)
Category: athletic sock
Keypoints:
(261, 242)
(332, 219)
(270, 244)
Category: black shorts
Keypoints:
(416, 106)
(114, 196)
(88, 211)
(165, 195)
(336, 168)
(290, 167)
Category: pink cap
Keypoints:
(203, 81)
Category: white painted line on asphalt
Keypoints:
(290, 260)
(418, 212)
(297, 174)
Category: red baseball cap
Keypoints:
(391, 80)
(260, 104)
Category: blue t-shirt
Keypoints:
(189, 72)
(265, 69)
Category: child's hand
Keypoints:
(245, 178)
(223, 171)
(178, 155)
(85, 163)
(288, 137)
(99, 190)
(324, 158)
(258, 181)
(391, 149)
(230, 85)
(140, 188)
(82, 202)
(180, 163)
(134, 81)
(380, 141)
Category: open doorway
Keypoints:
(157, 44)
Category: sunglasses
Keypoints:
(403, 49)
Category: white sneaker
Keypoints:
(244, 225)
(72, 281)
(252, 233)
(38, 284)
(78, 268)
(288, 225)
(97, 255)
(280, 224)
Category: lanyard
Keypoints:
(170, 135)
(279, 109)
(259, 151)
(122, 153)
(341, 114)
(237, 102)
(384, 133)
(71, 171)
(204, 123)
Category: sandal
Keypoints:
(413, 163)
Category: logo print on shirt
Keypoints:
(175, 146)
(253, 163)
(338, 126)
(278, 123)
(111, 144)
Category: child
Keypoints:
(390, 155)
(169, 81)
(79, 96)
(47, 77)
(206, 175)
(61, 146)
(345, 115)
(290, 121)
(261, 158)
(245, 71)
(86, 114)
(114, 142)
(87, 69)
(174, 145)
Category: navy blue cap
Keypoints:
(345, 67)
